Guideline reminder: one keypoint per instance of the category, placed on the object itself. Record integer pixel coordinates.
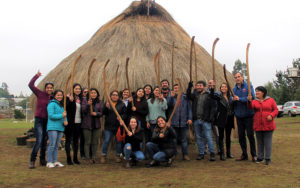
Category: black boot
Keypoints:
(69, 161)
(75, 160)
(222, 157)
(212, 157)
(43, 162)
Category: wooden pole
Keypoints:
(156, 68)
(128, 83)
(191, 58)
(228, 84)
(89, 81)
(248, 72)
(213, 58)
(65, 94)
(195, 58)
(73, 72)
(172, 64)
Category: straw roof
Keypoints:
(135, 35)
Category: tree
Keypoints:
(4, 93)
(18, 114)
(239, 66)
(23, 103)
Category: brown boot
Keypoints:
(127, 164)
(32, 165)
(186, 158)
(103, 159)
(118, 159)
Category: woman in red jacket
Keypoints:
(265, 112)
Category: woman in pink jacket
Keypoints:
(265, 112)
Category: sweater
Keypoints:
(88, 121)
(156, 109)
(55, 116)
(42, 99)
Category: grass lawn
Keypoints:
(284, 170)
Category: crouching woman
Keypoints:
(162, 146)
(55, 127)
(133, 143)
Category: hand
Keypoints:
(39, 73)
(161, 135)
(130, 99)
(93, 113)
(133, 109)
(71, 98)
(129, 133)
(90, 102)
(249, 98)
(269, 118)
(168, 124)
(161, 97)
(172, 93)
(148, 125)
(65, 123)
(191, 84)
(189, 122)
(236, 98)
(107, 105)
(64, 114)
(121, 123)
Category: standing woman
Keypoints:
(224, 119)
(266, 110)
(133, 140)
(72, 131)
(40, 120)
(140, 108)
(91, 124)
(55, 127)
(157, 105)
(162, 146)
(148, 91)
(112, 124)
(85, 92)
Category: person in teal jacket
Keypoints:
(55, 127)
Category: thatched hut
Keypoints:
(136, 35)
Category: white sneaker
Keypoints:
(50, 165)
(58, 164)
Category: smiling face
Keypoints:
(77, 90)
(259, 94)
(224, 88)
(114, 96)
(93, 94)
(148, 90)
(238, 78)
(85, 92)
(156, 92)
(176, 89)
(133, 123)
(125, 94)
(164, 84)
(161, 122)
(49, 89)
(59, 96)
(199, 87)
(140, 93)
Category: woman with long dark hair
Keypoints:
(133, 140)
(112, 124)
(72, 131)
(224, 119)
(157, 105)
(40, 119)
(162, 146)
(91, 124)
(266, 110)
(55, 127)
(148, 91)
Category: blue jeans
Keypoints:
(154, 153)
(181, 133)
(54, 139)
(138, 155)
(205, 127)
(107, 138)
(40, 125)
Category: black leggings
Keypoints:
(221, 139)
(72, 135)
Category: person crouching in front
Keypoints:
(162, 147)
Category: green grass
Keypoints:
(284, 170)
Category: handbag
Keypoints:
(121, 135)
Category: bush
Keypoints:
(18, 114)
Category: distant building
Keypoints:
(4, 104)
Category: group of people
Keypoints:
(143, 129)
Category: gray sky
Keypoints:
(37, 35)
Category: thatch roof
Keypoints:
(133, 34)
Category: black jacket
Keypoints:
(224, 115)
(111, 121)
(135, 140)
(210, 105)
(141, 111)
(71, 111)
(165, 144)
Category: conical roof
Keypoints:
(135, 35)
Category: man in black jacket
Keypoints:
(204, 108)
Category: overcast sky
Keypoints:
(37, 35)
